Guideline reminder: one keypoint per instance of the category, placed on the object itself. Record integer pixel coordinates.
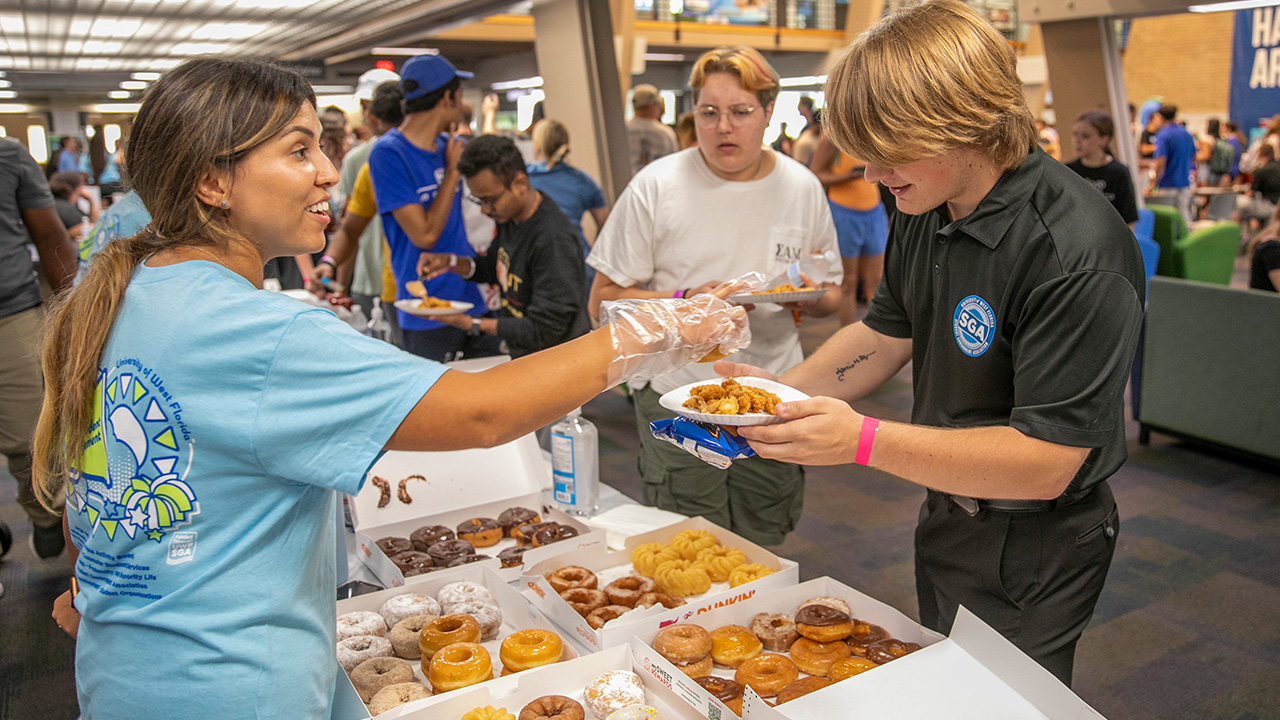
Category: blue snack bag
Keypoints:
(713, 444)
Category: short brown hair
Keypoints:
(752, 70)
(925, 81)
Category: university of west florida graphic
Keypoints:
(136, 459)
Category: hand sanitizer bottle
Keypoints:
(575, 464)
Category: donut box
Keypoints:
(517, 614)
(783, 600)
(449, 488)
(609, 566)
(566, 678)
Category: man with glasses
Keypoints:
(417, 187)
(690, 220)
(535, 258)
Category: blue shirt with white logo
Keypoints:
(226, 421)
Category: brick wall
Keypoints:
(1185, 59)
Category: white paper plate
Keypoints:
(413, 307)
(779, 297)
(674, 401)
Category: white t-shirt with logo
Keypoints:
(677, 225)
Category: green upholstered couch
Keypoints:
(1210, 365)
(1207, 254)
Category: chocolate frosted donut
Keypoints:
(467, 559)
(820, 615)
(446, 551)
(553, 532)
(413, 560)
(524, 533)
(480, 532)
(428, 535)
(394, 545)
(512, 556)
(511, 518)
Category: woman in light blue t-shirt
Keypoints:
(203, 428)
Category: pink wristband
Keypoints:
(868, 435)
(679, 294)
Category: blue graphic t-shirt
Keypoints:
(125, 218)
(403, 174)
(1178, 148)
(225, 419)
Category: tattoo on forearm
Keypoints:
(842, 370)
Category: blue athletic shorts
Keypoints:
(860, 232)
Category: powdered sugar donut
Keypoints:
(487, 616)
(406, 606)
(462, 592)
(355, 650)
(361, 622)
(613, 690)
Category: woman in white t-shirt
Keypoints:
(687, 221)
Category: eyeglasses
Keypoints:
(489, 203)
(739, 115)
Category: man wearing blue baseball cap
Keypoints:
(414, 169)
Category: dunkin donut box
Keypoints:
(517, 614)
(454, 487)
(566, 678)
(781, 600)
(610, 566)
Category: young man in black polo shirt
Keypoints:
(535, 258)
(1016, 291)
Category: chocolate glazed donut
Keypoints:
(511, 518)
(553, 533)
(446, 551)
(424, 537)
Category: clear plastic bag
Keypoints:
(655, 337)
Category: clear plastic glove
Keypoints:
(655, 337)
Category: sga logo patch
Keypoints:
(974, 325)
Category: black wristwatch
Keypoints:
(475, 327)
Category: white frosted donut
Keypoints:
(611, 691)
(406, 606)
(361, 622)
(462, 592)
(355, 650)
(487, 616)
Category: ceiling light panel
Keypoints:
(108, 27)
(228, 31)
(12, 23)
(198, 48)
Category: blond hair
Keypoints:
(552, 140)
(926, 81)
(747, 64)
(206, 115)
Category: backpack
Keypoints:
(1221, 157)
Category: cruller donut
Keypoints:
(647, 557)
(767, 674)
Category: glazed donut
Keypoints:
(393, 545)
(488, 617)
(374, 674)
(865, 634)
(511, 518)
(428, 535)
(775, 630)
(683, 643)
(553, 707)
(413, 562)
(848, 667)
(831, 602)
(746, 573)
(689, 542)
(524, 533)
(355, 650)
(815, 657)
(767, 674)
(530, 648)
(695, 670)
(405, 636)
(598, 617)
(553, 533)
(612, 690)
(467, 559)
(733, 645)
(647, 557)
(480, 532)
(822, 623)
(889, 650)
(682, 577)
(583, 601)
(663, 599)
(572, 576)
(627, 590)
(393, 696)
(408, 605)
(724, 690)
(360, 622)
(512, 556)
(445, 631)
(459, 665)
(803, 686)
(446, 551)
(463, 592)
(719, 561)
(488, 712)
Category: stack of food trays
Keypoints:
(442, 632)
(745, 569)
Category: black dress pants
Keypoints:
(1033, 576)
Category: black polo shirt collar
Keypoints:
(990, 221)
